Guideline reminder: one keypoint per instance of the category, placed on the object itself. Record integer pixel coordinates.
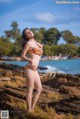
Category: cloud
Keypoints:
(20, 15)
(27, 16)
(45, 17)
(56, 19)
(68, 19)
(6, 1)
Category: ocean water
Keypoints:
(69, 66)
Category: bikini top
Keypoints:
(36, 51)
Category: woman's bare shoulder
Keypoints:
(29, 43)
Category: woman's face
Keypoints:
(29, 34)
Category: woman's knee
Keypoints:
(39, 89)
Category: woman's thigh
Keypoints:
(29, 74)
(37, 80)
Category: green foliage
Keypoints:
(78, 51)
(67, 36)
(52, 35)
(5, 47)
(48, 37)
(67, 49)
(14, 33)
(64, 49)
(39, 33)
(70, 38)
(71, 49)
(16, 49)
(47, 50)
(15, 38)
(77, 40)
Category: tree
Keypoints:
(14, 36)
(5, 47)
(14, 33)
(59, 49)
(77, 40)
(68, 36)
(78, 51)
(71, 49)
(47, 50)
(39, 34)
(52, 35)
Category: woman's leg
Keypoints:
(38, 85)
(29, 74)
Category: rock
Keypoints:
(5, 79)
(8, 73)
(10, 70)
(71, 79)
(55, 79)
(0, 74)
(54, 85)
(42, 68)
(70, 90)
(67, 105)
(62, 80)
(10, 66)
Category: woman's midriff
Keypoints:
(34, 67)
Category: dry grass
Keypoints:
(54, 95)
(38, 113)
(14, 82)
(17, 104)
(70, 116)
(48, 113)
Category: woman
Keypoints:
(34, 49)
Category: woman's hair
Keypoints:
(24, 38)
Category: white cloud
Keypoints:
(45, 17)
(6, 1)
(20, 15)
(41, 19)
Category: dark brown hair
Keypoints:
(24, 38)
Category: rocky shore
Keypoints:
(60, 98)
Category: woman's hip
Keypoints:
(30, 67)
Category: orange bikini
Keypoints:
(36, 51)
(30, 67)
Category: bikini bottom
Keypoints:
(30, 67)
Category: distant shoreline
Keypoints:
(45, 59)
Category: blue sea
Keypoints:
(69, 66)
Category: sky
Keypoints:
(40, 13)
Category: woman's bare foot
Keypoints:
(30, 111)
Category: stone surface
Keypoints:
(60, 91)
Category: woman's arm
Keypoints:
(23, 54)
